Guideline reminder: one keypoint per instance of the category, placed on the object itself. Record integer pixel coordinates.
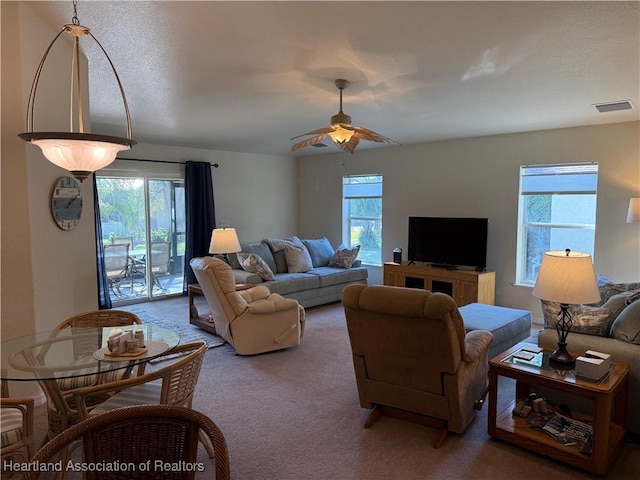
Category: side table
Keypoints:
(608, 396)
(203, 321)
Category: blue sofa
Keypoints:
(320, 285)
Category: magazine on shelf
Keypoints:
(567, 430)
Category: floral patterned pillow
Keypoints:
(586, 319)
(344, 257)
(254, 264)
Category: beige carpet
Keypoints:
(294, 415)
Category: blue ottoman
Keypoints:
(508, 325)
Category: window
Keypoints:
(362, 216)
(557, 210)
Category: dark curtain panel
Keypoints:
(200, 212)
(104, 300)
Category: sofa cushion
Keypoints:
(627, 326)
(618, 302)
(336, 276)
(344, 257)
(277, 246)
(255, 264)
(286, 283)
(586, 319)
(298, 259)
(262, 250)
(608, 288)
(320, 250)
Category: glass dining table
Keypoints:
(65, 359)
(78, 352)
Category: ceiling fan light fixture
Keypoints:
(344, 136)
(340, 135)
(78, 152)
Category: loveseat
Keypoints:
(310, 271)
(611, 326)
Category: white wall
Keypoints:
(255, 194)
(479, 177)
(49, 274)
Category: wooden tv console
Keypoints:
(464, 286)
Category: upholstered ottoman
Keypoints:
(508, 325)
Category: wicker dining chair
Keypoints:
(61, 409)
(143, 435)
(84, 345)
(16, 426)
(172, 384)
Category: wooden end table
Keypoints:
(203, 321)
(609, 397)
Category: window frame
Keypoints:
(588, 171)
(374, 191)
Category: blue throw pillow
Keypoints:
(320, 250)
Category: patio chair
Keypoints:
(116, 261)
(160, 262)
(16, 425)
(138, 434)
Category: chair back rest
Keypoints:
(407, 337)
(180, 378)
(123, 241)
(218, 285)
(83, 344)
(160, 257)
(116, 258)
(138, 434)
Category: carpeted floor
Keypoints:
(295, 415)
(174, 314)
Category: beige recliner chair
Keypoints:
(253, 320)
(412, 358)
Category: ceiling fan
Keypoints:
(345, 136)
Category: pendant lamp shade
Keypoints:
(76, 151)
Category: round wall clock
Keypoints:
(66, 203)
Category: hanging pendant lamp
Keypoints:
(78, 152)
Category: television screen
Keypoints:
(448, 242)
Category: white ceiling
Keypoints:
(248, 76)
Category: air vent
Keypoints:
(614, 106)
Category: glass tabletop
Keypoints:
(77, 352)
(533, 359)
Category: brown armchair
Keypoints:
(253, 320)
(412, 358)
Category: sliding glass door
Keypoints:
(143, 234)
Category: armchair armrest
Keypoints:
(270, 306)
(254, 293)
(476, 344)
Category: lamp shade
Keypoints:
(224, 240)
(567, 277)
(81, 155)
(633, 214)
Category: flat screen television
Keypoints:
(448, 242)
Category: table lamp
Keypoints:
(223, 242)
(567, 278)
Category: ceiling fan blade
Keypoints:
(370, 135)
(314, 132)
(308, 141)
(351, 145)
